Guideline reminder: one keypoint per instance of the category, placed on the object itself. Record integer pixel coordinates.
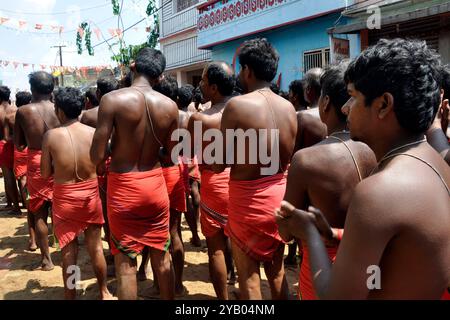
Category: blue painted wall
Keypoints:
(291, 42)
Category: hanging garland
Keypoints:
(116, 7)
(86, 31)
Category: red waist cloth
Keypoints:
(184, 167)
(40, 190)
(138, 212)
(175, 188)
(75, 206)
(6, 154)
(194, 172)
(20, 163)
(214, 201)
(102, 180)
(305, 283)
(251, 219)
(446, 295)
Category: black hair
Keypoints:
(168, 87)
(312, 80)
(185, 96)
(23, 98)
(5, 93)
(42, 82)
(238, 90)
(217, 75)
(261, 57)
(445, 83)
(91, 94)
(334, 86)
(126, 81)
(106, 85)
(409, 71)
(150, 62)
(70, 101)
(198, 97)
(275, 88)
(284, 95)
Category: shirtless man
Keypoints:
(7, 152)
(138, 205)
(32, 122)
(296, 95)
(401, 213)
(90, 99)
(254, 189)
(217, 86)
(310, 129)
(436, 135)
(76, 202)
(326, 174)
(104, 86)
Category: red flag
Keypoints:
(25, 65)
(38, 26)
(22, 23)
(16, 64)
(3, 20)
(97, 33)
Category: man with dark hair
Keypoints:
(255, 190)
(401, 213)
(315, 180)
(20, 163)
(32, 122)
(217, 85)
(185, 96)
(296, 95)
(437, 134)
(7, 153)
(138, 205)
(76, 202)
(197, 100)
(104, 86)
(90, 99)
(310, 129)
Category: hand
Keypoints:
(297, 222)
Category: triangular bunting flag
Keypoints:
(3, 20)
(38, 26)
(97, 33)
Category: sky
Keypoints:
(34, 46)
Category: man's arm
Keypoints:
(46, 159)
(169, 143)
(19, 135)
(191, 128)
(6, 130)
(229, 121)
(99, 148)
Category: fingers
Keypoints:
(287, 208)
(321, 223)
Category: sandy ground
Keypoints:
(19, 282)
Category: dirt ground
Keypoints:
(19, 282)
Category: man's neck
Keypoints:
(69, 122)
(141, 81)
(336, 127)
(384, 145)
(41, 97)
(219, 100)
(259, 85)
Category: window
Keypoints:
(184, 4)
(316, 59)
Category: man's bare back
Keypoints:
(6, 110)
(253, 111)
(90, 117)
(68, 145)
(325, 176)
(310, 129)
(135, 145)
(32, 122)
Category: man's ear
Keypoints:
(326, 103)
(384, 105)
(133, 66)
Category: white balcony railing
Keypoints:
(179, 22)
(184, 52)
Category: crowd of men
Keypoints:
(361, 182)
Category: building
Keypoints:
(178, 40)
(428, 20)
(297, 28)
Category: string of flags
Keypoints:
(54, 69)
(23, 25)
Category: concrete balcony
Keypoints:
(184, 52)
(179, 22)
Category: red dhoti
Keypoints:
(214, 201)
(39, 189)
(75, 206)
(138, 212)
(251, 219)
(175, 188)
(20, 163)
(6, 154)
(305, 284)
